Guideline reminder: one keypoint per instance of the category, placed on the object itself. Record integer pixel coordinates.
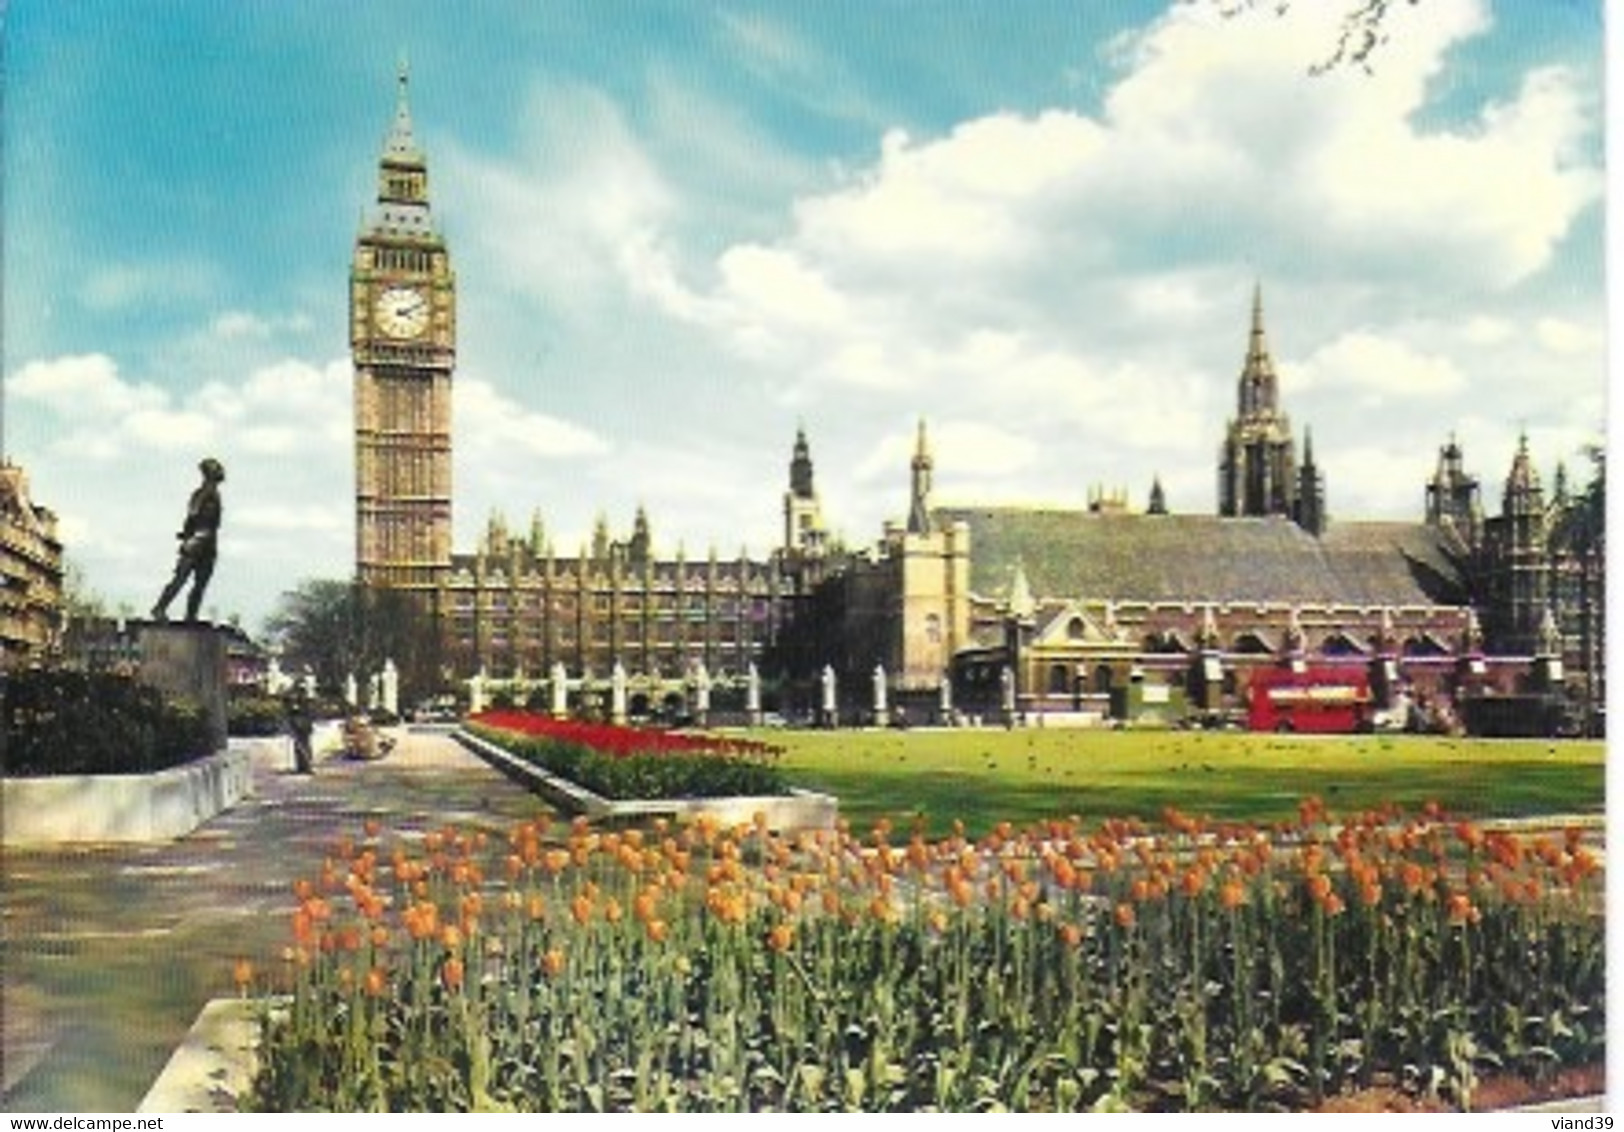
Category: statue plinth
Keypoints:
(186, 661)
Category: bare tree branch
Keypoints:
(1362, 33)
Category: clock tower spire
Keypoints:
(403, 344)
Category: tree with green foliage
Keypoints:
(314, 625)
(339, 628)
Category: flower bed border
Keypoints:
(126, 807)
(213, 1068)
(799, 809)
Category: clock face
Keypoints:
(403, 312)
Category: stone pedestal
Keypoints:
(186, 661)
(558, 691)
(752, 697)
(617, 696)
(1206, 681)
(1384, 682)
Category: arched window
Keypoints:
(1075, 629)
(1060, 679)
(1424, 645)
(1102, 678)
(1254, 643)
(1340, 644)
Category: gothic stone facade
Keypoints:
(1083, 606)
(514, 608)
(1077, 604)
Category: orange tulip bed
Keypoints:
(1185, 966)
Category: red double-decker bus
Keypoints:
(1313, 700)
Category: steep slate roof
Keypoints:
(1199, 558)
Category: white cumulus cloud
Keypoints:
(1379, 367)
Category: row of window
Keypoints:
(662, 591)
(693, 648)
(418, 260)
(662, 610)
(721, 628)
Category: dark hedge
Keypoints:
(61, 722)
(256, 716)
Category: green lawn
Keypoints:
(987, 776)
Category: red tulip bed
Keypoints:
(624, 763)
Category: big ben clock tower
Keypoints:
(403, 338)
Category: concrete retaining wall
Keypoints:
(799, 809)
(125, 807)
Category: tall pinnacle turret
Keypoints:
(1158, 497)
(804, 534)
(1522, 552)
(1310, 506)
(919, 503)
(1453, 498)
(800, 466)
(1259, 387)
(640, 548)
(1523, 481)
(1257, 468)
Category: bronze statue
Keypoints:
(195, 558)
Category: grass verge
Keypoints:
(986, 776)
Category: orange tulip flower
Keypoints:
(581, 909)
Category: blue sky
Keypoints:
(682, 229)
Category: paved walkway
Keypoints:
(109, 952)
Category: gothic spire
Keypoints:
(1259, 391)
(1310, 506)
(401, 145)
(919, 505)
(639, 548)
(403, 179)
(1158, 497)
(1522, 484)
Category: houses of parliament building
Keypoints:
(963, 608)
